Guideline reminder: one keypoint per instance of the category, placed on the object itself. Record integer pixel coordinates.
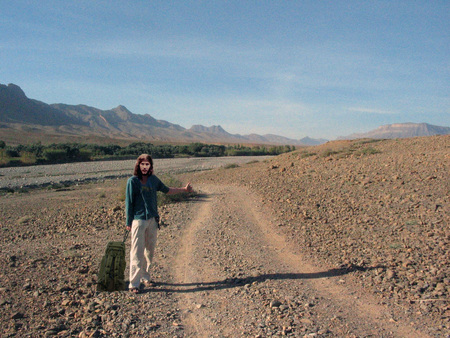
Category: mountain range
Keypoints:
(401, 130)
(19, 113)
(25, 120)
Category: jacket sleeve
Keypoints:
(129, 201)
(162, 187)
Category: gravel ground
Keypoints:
(347, 239)
(60, 174)
(379, 207)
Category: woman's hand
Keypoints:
(128, 228)
(188, 187)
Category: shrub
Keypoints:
(27, 157)
(66, 155)
(305, 154)
(84, 155)
(12, 153)
(55, 155)
(171, 181)
(122, 190)
(328, 153)
(369, 151)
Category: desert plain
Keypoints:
(345, 239)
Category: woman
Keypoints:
(142, 216)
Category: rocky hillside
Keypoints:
(402, 130)
(19, 114)
(16, 108)
(379, 206)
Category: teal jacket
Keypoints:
(141, 200)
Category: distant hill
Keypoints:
(40, 121)
(401, 130)
(15, 107)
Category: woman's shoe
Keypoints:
(148, 284)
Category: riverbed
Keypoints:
(69, 173)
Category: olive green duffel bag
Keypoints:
(111, 274)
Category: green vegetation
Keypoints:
(305, 154)
(411, 222)
(396, 246)
(368, 151)
(37, 153)
(170, 181)
(355, 149)
(328, 152)
(231, 166)
(367, 141)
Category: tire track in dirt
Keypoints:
(185, 271)
(236, 275)
(352, 301)
(210, 270)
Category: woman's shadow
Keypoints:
(229, 283)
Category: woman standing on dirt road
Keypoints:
(142, 218)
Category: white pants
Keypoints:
(143, 242)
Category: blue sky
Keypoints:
(321, 69)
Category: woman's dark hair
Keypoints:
(137, 168)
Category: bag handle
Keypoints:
(125, 235)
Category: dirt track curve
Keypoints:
(238, 276)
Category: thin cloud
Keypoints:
(372, 111)
(179, 47)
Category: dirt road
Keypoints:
(236, 275)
